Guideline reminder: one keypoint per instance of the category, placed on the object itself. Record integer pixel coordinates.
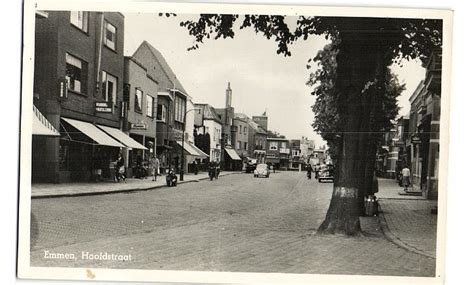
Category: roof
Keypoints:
(164, 65)
(209, 112)
(257, 127)
(277, 139)
(241, 116)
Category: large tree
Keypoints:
(362, 49)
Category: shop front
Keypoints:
(232, 160)
(85, 152)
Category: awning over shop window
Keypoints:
(41, 125)
(192, 150)
(93, 132)
(202, 153)
(233, 154)
(122, 137)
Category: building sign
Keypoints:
(103, 107)
(415, 139)
(138, 126)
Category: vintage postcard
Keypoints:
(233, 143)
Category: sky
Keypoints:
(261, 80)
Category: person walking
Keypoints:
(406, 177)
(155, 167)
(119, 168)
(195, 167)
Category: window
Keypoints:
(138, 100)
(240, 129)
(245, 145)
(109, 87)
(80, 19)
(283, 145)
(161, 113)
(273, 145)
(110, 35)
(150, 103)
(179, 109)
(76, 74)
(238, 144)
(245, 130)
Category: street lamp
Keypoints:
(181, 172)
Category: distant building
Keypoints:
(230, 159)
(262, 120)
(296, 158)
(211, 128)
(257, 142)
(241, 137)
(278, 152)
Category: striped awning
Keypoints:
(41, 125)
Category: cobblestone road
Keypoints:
(237, 223)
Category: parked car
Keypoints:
(250, 165)
(262, 170)
(326, 173)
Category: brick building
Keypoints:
(78, 82)
(173, 104)
(423, 143)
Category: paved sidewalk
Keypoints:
(407, 220)
(46, 190)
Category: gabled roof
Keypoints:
(209, 113)
(164, 65)
(257, 127)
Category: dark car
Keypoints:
(326, 173)
(250, 166)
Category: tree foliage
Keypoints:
(355, 92)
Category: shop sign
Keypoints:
(103, 107)
(138, 126)
(415, 140)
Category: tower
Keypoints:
(228, 96)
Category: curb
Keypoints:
(394, 239)
(106, 192)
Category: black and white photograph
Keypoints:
(233, 143)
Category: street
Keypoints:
(237, 223)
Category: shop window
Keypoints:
(138, 100)
(80, 19)
(150, 103)
(109, 87)
(110, 36)
(76, 74)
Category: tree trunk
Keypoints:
(355, 66)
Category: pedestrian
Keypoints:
(406, 177)
(218, 169)
(155, 167)
(119, 168)
(309, 169)
(195, 167)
